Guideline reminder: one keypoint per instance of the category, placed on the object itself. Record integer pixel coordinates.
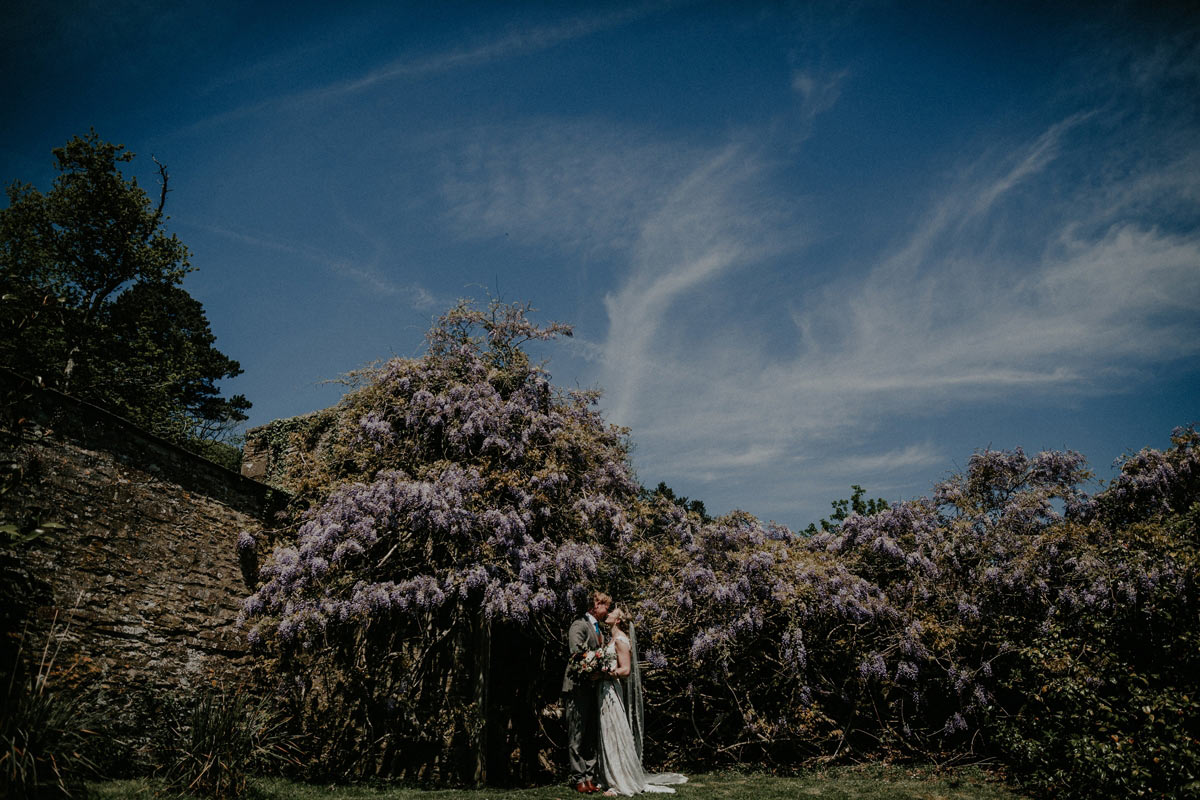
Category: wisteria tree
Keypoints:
(1008, 614)
(457, 509)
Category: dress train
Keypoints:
(620, 764)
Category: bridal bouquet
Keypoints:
(586, 663)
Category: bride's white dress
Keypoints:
(620, 762)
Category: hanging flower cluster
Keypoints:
(461, 477)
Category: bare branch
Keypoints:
(162, 197)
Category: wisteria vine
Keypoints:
(462, 488)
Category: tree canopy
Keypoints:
(91, 302)
(448, 516)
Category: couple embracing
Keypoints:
(603, 691)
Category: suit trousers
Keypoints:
(583, 730)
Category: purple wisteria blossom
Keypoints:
(246, 543)
(459, 504)
(376, 430)
(483, 486)
(926, 604)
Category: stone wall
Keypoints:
(138, 553)
(276, 453)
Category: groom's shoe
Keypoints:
(582, 787)
(591, 787)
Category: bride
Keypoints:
(621, 717)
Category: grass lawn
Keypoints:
(843, 783)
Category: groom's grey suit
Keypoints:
(583, 711)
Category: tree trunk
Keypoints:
(483, 656)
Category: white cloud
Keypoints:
(702, 230)
(818, 92)
(368, 275)
(583, 188)
(1021, 280)
(876, 464)
(706, 465)
(966, 310)
(514, 42)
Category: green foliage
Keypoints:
(844, 507)
(1100, 726)
(90, 301)
(227, 454)
(213, 746)
(303, 437)
(1108, 704)
(664, 492)
(46, 726)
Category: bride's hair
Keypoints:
(618, 617)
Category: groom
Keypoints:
(583, 712)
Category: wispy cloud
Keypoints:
(965, 310)
(980, 302)
(959, 206)
(1038, 271)
(582, 188)
(366, 275)
(712, 222)
(513, 43)
(851, 467)
(818, 92)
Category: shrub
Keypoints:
(457, 509)
(215, 744)
(46, 727)
(227, 454)
(1007, 614)
(1103, 697)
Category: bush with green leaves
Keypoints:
(1008, 614)
(48, 727)
(1102, 699)
(214, 742)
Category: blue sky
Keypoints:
(803, 245)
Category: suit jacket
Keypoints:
(580, 636)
